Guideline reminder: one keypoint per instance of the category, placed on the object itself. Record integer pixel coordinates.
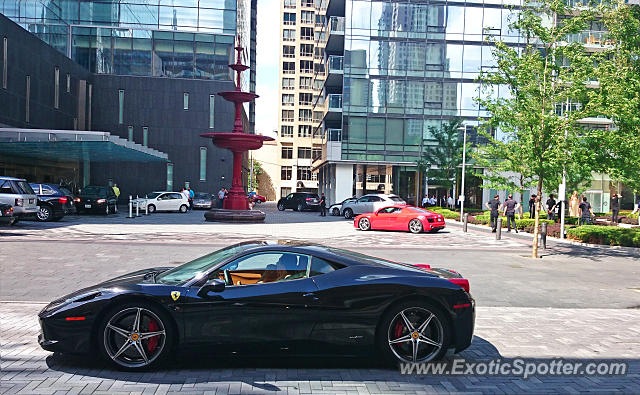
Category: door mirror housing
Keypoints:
(214, 285)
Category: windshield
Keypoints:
(91, 190)
(153, 195)
(374, 260)
(199, 266)
(396, 199)
(24, 187)
(65, 191)
(202, 195)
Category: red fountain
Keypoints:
(236, 204)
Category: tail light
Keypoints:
(19, 202)
(8, 211)
(462, 282)
(309, 199)
(77, 200)
(100, 201)
(63, 200)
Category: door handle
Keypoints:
(311, 295)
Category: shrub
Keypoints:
(543, 215)
(448, 214)
(523, 223)
(606, 235)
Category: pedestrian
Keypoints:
(433, 201)
(425, 201)
(637, 210)
(185, 193)
(323, 205)
(551, 207)
(585, 212)
(221, 197)
(532, 206)
(494, 205)
(116, 190)
(449, 201)
(510, 207)
(574, 201)
(615, 207)
(192, 194)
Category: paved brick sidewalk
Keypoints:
(543, 334)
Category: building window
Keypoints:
(305, 82)
(288, 67)
(286, 172)
(185, 101)
(306, 16)
(120, 106)
(288, 51)
(145, 136)
(212, 99)
(288, 83)
(305, 99)
(289, 3)
(306, 49)
(285, 191)
(5, 61)
(287, 115)
(304, 115)
(286, 131)
(289, 18)
(307, 3)
(203, 163)
(287, 152)
(169, 176)
(130, 133)
(316, 153)
(287, 100)
(304, 173)
(306, 33)
(304, 130)
(317, 116)
(304, 153)
(28, 99)
(289, 35)
(68, 83)
(56, 88)
(306, 66)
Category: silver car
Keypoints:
(369, 203)
(18, 193)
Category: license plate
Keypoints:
(87, 206)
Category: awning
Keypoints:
(74, 145)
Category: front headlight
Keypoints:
(100, 201)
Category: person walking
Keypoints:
(585, 212)
(615, 208)
(494, 205)
(221, 197)
(192, 194)
(551, 208)
(510, 207)
(450, 201)
(574, 202)
(323, 205)
(532, 206)
(116, 190)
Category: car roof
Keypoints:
(12, 178)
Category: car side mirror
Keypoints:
(213, 285)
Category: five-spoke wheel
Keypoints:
(415, 226)
(364, 224)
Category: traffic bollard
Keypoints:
(130, 207)
(146, 206)
(543, 234)
(466, 221)
(137, 206)
(498, 228)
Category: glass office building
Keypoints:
(403, 67)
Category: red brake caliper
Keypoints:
(398, 330)
(152, 342)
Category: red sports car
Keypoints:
(401, 217)
(255, 198)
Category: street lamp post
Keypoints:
(464, 163)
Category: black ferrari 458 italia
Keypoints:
(264, 297)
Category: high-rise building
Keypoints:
(301, 78)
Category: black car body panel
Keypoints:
(96, 199)
(6, 214)
(55, 198)
(323, 314)
(304, 200)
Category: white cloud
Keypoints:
(268, 37)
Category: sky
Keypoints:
(268, 56)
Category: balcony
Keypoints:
(335, 35)
(591, 39)
(332, 150)
(335, 66)
(334, 107)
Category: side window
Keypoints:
(46, 190)
(320, 266)
(387, 210)
(264, 267)
(176, 196)
(5, 187)
(289, 196)
(36, 188)
(363, 199)
(375, 199)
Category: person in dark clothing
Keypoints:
(494, 206)
(532, 206)
(551, 208)
(323, 206)
(615, 207)
(585, 212)
(510, 207)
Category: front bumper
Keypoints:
(58, 335)
(202, 205)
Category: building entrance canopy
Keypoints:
(73, 145)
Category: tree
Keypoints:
(257, 170)
(442, 160)
(538, 120)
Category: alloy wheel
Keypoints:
(44, 214)
(335, 212)
(281, 207)
(183, 209)
(364, 224)
(152, 208)
(415, 335)
(134, 337)
(415, 226)
(348, 213)
(300, 207)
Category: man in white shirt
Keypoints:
(220, 197)
(425, 201)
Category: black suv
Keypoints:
(300, 201)
(93, 198)
(54, 202)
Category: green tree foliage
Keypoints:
(257, 170)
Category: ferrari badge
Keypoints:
(175, 295)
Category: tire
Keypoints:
(44, 214)
(364, 224)
(280, 207)
(115, 208)
(107, 211)
(348, 213)
(415, 226)
(428, 336)
(116, 330)
(152, 208)
(335, 212)
(183, 209)
(300, 207)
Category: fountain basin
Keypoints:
(237, 141)
(238, 97)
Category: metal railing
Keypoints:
(336, 24)
(335, 102)
(590, 37)
(334, 134)
(335, 63)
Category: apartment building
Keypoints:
(301, 78)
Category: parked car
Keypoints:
(95, 198)
(369, 203)
(262, 297)
(299, 201)
(164, 201)
(18, 193)
(53, 202)
(202, 200)
(255, 198)
(336, 208)
(401, 217)
(6, 214)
